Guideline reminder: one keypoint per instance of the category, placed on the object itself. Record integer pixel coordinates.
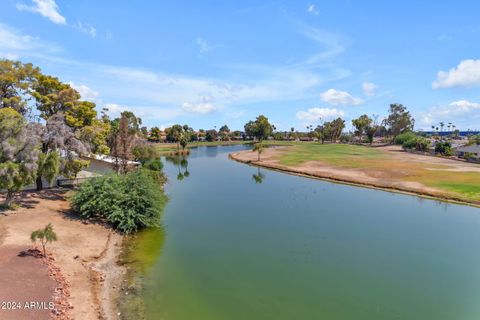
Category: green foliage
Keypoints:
(258, 147)
(474, 139)
(129, 202)
(18, 153)
(16, 78)
(145, 152)
(399, 120)
(45, 235)
(154, 168)
(416, 143)
(71, 167)
(403, 137)
(49, 165)
(155, 134)
(261, 129)
(444, 148)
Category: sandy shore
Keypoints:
(85, 255)
(375, 179)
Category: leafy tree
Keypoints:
(155, 134)
(81, 114)
(52, 96)
(361, 125)
(260, 128)
(129, 202)
(211, 135)
(18, 153)
(96, 136)
(16, 79)
(399, 120)
(57, 136)
(45, 235)
(337, 127)
(224, 129)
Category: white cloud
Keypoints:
(203, 107)
(369, 89)
(336, 97)
(316, 114)
(332, 44)
(203, 45)
(458, 112)
(46, 8)
(85, 28)
(466, 74)
(85, 92)
(199, 108)
(14, 45)
(311, 8)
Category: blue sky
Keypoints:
(297, 62)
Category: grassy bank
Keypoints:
(381, 167)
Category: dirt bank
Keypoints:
(85, 254)
(369, 178)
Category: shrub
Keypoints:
(145, 152)
(417, 143)
(444, 148)
(154, 168)
(128, 202)
(401, 138)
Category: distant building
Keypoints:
(472, 151)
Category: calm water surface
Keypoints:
(243, 243)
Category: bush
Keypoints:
(403, 137)
(128, 202)
(145, 152)
(417, 143)
(444, 148)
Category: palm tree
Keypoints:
(45, 236)
(441, 126)
(259, 148)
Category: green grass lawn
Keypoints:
(387, 165)
(333, 154)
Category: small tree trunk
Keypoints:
(39, 183)
(9, 199)
(44, 251)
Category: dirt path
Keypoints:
(85, 253)
(371, 178)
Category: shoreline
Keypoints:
(237, 156)
(85, 255)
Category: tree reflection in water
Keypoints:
(182, 165)
(258, 177)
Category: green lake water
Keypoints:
(242, 243)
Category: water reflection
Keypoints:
(182, 165)
(258, 177)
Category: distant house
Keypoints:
(101, 164)
(472, 151)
